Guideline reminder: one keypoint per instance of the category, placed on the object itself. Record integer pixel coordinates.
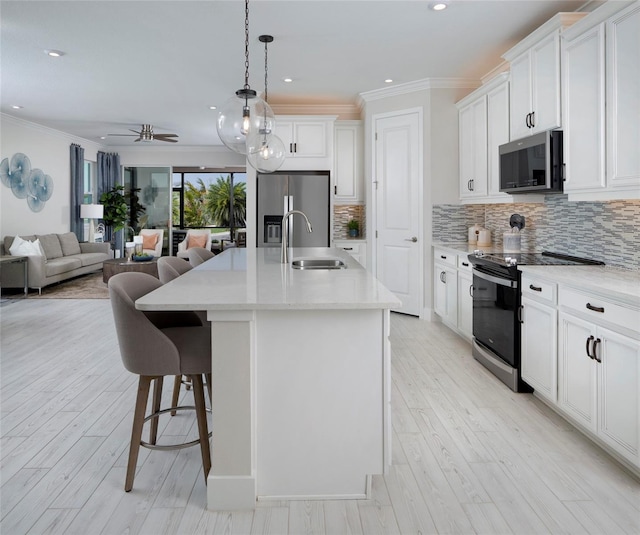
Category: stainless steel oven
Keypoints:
(496, 310)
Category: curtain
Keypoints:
(77, 190)
(109, 176)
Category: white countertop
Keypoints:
(254, 279)
(614, 283)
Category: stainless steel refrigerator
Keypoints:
(307, 191)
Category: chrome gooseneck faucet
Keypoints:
(284, 256)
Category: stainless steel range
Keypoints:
(496, 309)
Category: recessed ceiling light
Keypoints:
(388, 81)
(103, 137)
(288, 80)
(213, 107)
(438, 6)
(16, 107)
(54, 53)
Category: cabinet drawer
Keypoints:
(445, 257)
(351, 248)
(463, 263)
(599, 309)
(539, 289)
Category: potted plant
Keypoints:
(116, 214)
(354, 228)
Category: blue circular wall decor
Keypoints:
(25, 182)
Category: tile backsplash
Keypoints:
(607, 231)
(342, 214)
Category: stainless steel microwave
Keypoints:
(533, 164)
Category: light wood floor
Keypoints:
(468, 454)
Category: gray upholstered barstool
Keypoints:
(155, 344)
(198, 255)
(171, 267)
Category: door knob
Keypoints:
(413, 239)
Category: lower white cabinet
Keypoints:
(445, 293)
(356, 248)
(599, 383)
(538, 349)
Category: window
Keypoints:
(211, 199)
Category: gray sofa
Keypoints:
(64, 257)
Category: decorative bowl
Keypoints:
(142, 258)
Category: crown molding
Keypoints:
(418, 85)
(18, 121)
(347, 111)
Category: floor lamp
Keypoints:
(91, 212)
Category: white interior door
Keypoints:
(398, 195)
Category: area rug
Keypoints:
(84, 287)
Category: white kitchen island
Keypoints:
(301, 374)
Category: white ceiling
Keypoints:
(166, 62)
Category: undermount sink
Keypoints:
(318, 263)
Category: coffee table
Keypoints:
(9, 259)
(119, 265)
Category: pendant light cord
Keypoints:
(246, 44)
(265, 71)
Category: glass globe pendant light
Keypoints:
(244, 113)
(265, 150)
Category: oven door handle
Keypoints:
(497, 280)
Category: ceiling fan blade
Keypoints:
(127, 135)
(130, 130)
(165, 139)
(165, 135)
(136, 140)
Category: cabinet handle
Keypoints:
(595, 350)
(471, 290)
(443, 257)
(469, 185)
(295, 147)
(535, 288)
(526, 120)
(472, 181)
(595, 309)
(590, 339)
(533, 119)
(335, 190)
(290, 147)
(348, 248)
(443, 276)
(520, 314)
(465, 264)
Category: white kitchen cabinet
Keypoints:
(601, 83)
(483, 119)
(539, 335)
(356, 248)
(473, 148)
(445, 286)
(584, 111)
(348, 177)
(535, 78)
(308, 141)
(599, 369)
(623, 104)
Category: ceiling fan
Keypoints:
(146, 134)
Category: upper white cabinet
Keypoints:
(601, 84)
(483, 121)
(473, 148)
(348, 177)
(535, 78)
(308, 141)
(623, 99)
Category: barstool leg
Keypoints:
(157, 398)
(208, 376)
(201, 413)
(136, 432)
(177, 383)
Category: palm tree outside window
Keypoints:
(210, 199)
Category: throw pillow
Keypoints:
(197, 240)
(149, 241)
(21, 247)
(51, 246)
(69, 243)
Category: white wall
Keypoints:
(48, 150)
(177, 156)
